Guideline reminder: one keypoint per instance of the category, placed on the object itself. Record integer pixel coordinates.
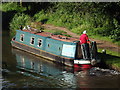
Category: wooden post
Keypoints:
(20, 2)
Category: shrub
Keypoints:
(20, 19)
(81, 28)
(12, 6)
(115, 34)
(41, 17)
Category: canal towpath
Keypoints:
(100, 43)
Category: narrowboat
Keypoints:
(57, 48)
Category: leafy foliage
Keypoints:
(41, 16)
(97, 18)
(12, 6)
(20, 19)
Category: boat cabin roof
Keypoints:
(56, 37)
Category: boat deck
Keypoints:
(56, 37)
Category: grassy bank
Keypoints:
(108, 39)
(112, 59)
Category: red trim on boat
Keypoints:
(82, 65)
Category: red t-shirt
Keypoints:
(83, 38)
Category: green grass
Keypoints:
(110, 58)
(113, 61)
(109, 52)
(104, 38)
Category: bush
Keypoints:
(20, 19)
(103, 31)
(115, 34)
(12, 6)
(41, 17)
(81, 28)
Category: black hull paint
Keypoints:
(44, 54)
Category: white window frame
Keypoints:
(41, 43)
(21, 37)
(31, 40)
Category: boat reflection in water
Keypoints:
(47, 71)
(41, 73)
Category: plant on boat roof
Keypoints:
(37, 25)
(59, 32)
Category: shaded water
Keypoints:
(23, 70)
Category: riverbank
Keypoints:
(111, 59)
(112, 56)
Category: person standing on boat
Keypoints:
(84, 45)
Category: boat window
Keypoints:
(32, 41)
(39, 42)
(13, 38)
(22, 37)
(59, 49)
(48, 45)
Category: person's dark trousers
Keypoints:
(85, 51)
(93, 50)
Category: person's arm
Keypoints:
(88, 41)
(87, 38)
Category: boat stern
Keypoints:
(81, 64)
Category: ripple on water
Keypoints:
(102, 72)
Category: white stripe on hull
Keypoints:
(82, 62)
